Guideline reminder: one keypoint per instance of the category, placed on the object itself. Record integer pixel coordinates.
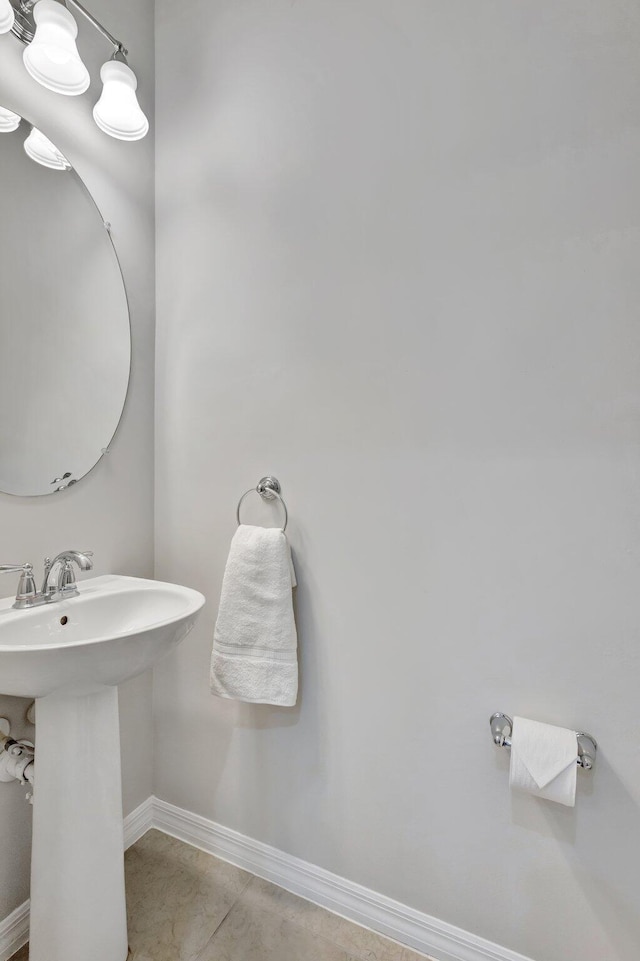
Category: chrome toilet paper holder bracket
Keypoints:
(502, 729)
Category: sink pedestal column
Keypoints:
(78, 910)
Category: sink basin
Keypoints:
(71, 655)
(117, 628)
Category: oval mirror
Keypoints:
(65, 341)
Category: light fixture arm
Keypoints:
(119, 47)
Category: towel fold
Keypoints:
(544, 761)
(255, 645)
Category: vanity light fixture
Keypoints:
(7, 16)
(118, 112)
(9, 121)
(51, 57)
(40, 149)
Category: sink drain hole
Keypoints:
(63, 620)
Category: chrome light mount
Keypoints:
(24, 26)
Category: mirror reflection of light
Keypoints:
(9, 121)
(52, 57)
(40, 149)
(118, 112)
(7, 16)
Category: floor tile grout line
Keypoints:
(223, 919)
(348, 954)
(351, 953)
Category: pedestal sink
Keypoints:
(70, 656)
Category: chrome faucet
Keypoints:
(65, 585)
(62, 587)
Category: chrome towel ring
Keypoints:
(268, 488)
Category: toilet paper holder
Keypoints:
(502, 728)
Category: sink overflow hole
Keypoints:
(63, 620)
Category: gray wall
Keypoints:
(398, 267)
(111, 511)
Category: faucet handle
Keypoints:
(27, 589)
(67, 579)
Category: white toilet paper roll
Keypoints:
(544, 761)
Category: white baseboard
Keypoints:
(138, 822)
(421, 932)
(14, 930)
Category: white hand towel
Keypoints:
(255, 645)
(544, 761)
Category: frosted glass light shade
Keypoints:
(118, 112)
(9, 121)
(52, 57)
(40, 149)
(7, 16)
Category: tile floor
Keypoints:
(185, 905)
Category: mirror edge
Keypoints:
(108, 227)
